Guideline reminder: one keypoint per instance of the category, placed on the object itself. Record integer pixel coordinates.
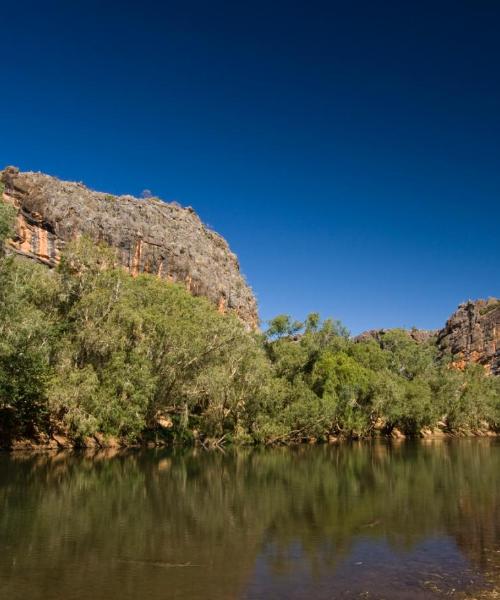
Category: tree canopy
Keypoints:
(87, 349)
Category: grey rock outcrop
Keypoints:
(149, 236)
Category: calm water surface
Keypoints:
(375, 521)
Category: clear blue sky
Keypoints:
(349, 151)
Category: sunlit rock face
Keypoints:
(149, 236)
(472, 334)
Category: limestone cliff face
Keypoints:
(472, 334)
(149, 235)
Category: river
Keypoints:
(412, 520)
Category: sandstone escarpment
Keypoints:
(472, 334)
(149, 236)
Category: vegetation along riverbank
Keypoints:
(92, 356)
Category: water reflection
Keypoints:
(362, 520)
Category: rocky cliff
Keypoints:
(472, 334)
(149, 235)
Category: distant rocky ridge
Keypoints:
(419, 335)
(149, 235)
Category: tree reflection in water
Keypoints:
(409, 520)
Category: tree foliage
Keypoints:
(88, 349)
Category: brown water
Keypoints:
(412, 521)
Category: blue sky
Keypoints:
(348, 151)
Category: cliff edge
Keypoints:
(149, 236)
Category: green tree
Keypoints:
(27, 332)
(7, 216)
(283, 325)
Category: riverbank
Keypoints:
(61, 441)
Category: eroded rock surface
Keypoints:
(149, 235)
(472, 334)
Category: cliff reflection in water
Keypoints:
(410, 520)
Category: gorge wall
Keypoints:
(472, 334)
(149, 236)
